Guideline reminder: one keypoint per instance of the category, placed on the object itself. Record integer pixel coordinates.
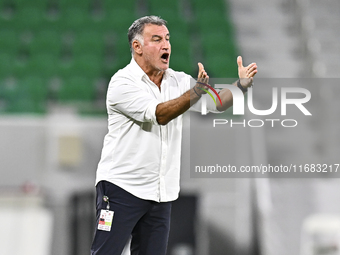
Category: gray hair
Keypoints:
(136, 29)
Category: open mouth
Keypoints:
(165, 56)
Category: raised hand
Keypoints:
(203, 78)
(202, 74)
(246, 73)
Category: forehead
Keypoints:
(151, 29)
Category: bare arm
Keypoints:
(171, 109)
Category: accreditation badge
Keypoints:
(105, 220)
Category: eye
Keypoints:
(156, 38)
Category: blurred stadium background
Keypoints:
(63, 52)
(56, 59)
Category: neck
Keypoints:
(154, 75)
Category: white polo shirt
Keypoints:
(139, 155)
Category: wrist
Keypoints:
(199, 88)
(198, 94)
(238, 84)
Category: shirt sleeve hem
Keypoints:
(151, 112)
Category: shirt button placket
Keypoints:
(163, 163)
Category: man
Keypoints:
(138, 174)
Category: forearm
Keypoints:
(167, 111)
(226, 98)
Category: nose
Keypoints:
(166, 45)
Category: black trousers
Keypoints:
(147, 222)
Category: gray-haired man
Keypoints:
(138, 174)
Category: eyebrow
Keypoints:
(158, 36)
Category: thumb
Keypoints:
(239, 61)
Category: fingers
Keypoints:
(252, 74)
(200, 66)
(200, 70)
(251, 70)
(202, 74)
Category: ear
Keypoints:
(137, 47)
